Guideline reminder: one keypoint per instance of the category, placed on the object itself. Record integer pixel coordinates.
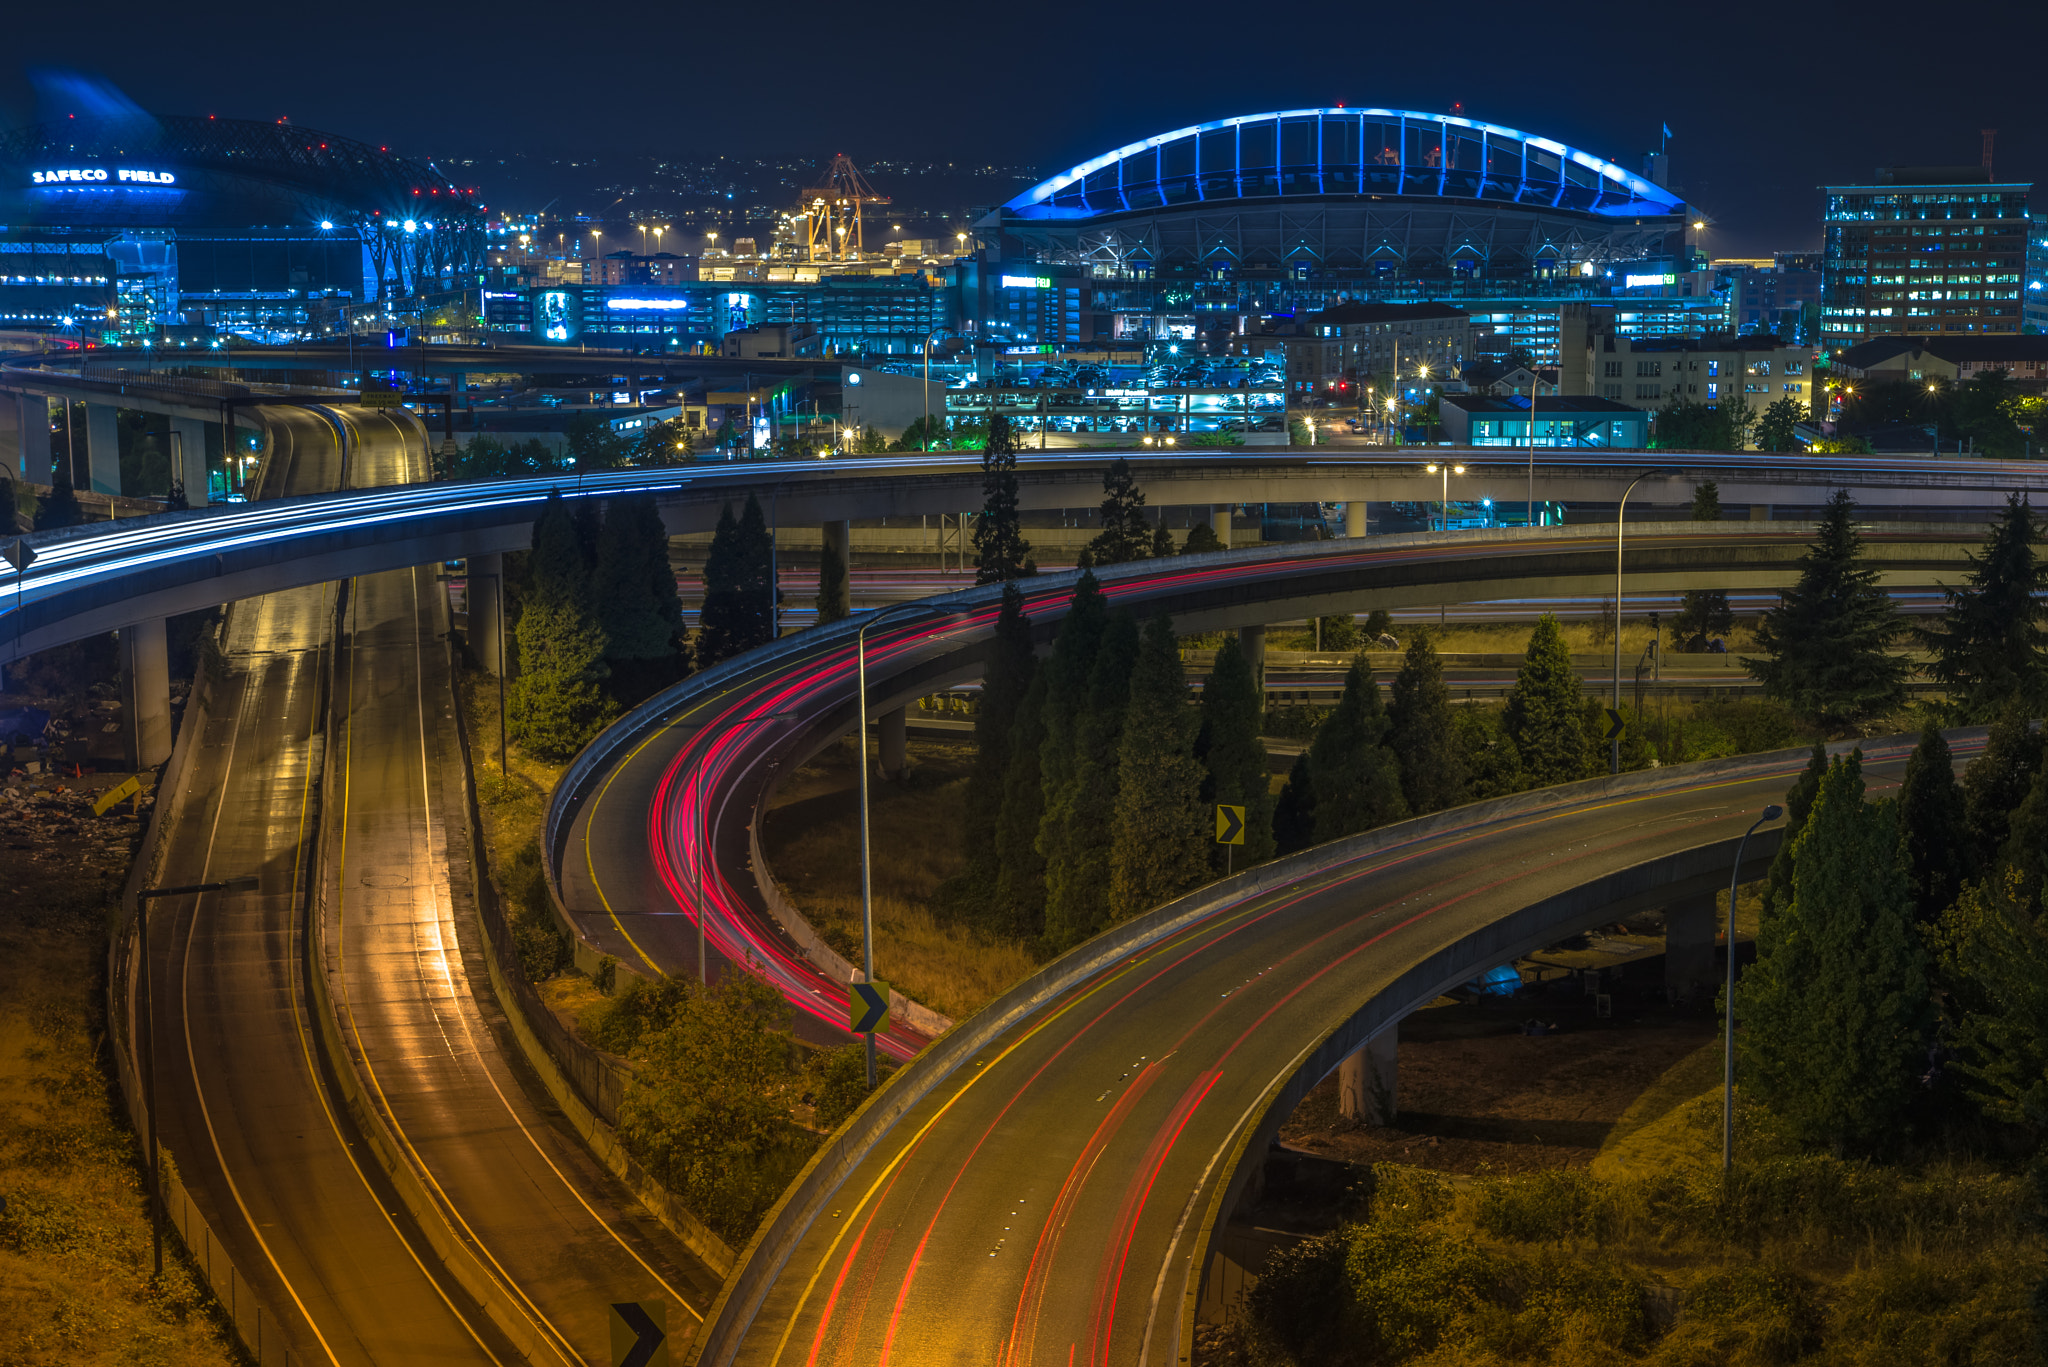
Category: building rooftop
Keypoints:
(2005, 346)
(1383, 313)
(1550, 405)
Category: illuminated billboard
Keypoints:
(557, 316)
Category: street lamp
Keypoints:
(860, 731)
(1621, 521)
(1443, 506)
(156, 1166)
(1772, 812)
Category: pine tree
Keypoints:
(557, 703)
(1076, 834)
(1162, 542)
(1294, 815)
(1798, 803)
(833, 585)
(735, 613)
(2024, 856)
(1932, 829)
(1159, 840)
(1828, 641)
(1423, 739)
(1016, 906)
(1125, 536)
(1005, 679)
(1235, 756)
(1544, 712)
(1704, 613)
(1991, 648)
(559, 565)
(634, 594)
(59, 507)
(1000, 551)
(1201, 539)
(1357, 779)
(1486, 752)
(1835, 1011)
(1996, 784)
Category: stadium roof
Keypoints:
(1302, 153)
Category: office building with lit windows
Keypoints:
(1928, 251)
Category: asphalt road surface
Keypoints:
(1039, 1207)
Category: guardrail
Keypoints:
(785, 1225)
(258, 1329)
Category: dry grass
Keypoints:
(75, 1284)
(810, 839)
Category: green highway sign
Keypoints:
(639, 1334)
(1229, 825)
(1615, 725)
(867, 1008)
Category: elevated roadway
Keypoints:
(105, 576)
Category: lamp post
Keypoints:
(928, 386)
(1620, 521)
(1771, 813)
(156, 1166)
(860, 723)
(1443, 507)
(698, 860)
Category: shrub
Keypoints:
(838, 1080)
(542, 948)
(1410, 1283)
(1294, 1312)
(1540, 1207)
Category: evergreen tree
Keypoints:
(1201, 539)
(2024, 857)
(1000, 551)
(1162, 542)
(558, 565)
(1705, 612)
(1996, 784)
(557, 702)
(834, 587)
(1836, 1010)
(1005, 680)
(1234, 754)
(1932, 829)
(1828, 640)
(1016, 905)
(634, 593)
(1424, 739)
(1294, 815)
(1775, 429)
(59, 507)
(1125, 536)
(1544, 712)
(1356, 778)
(1080, 812)
(1798, 803)
(1486, 753)
(1991, 648)
(735, 614)
(1159, 839)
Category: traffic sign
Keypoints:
(117, 794)
(867, 1008)
(639, 1334)
(19, 555)
(1615, 725)
(1229, 825)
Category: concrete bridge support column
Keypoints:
(895, 742)
(1366, 1081)
(1253, 641)
(1219, 521)
(146, 694)
(838, 537)
(1689, 927)
(486, 627)
(103, 447)
(35, 439)
(188, 438)
(1354, 518)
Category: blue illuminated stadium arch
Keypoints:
(1323, 152)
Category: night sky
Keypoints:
(1765, 102)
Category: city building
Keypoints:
(1652, 372)
(1571, 420)
(1954, 359)
(1353, 343)
(116, 229)
(1925, 250)
(1192, 235)
(882, 315)
(628, 268)
(1779, 294)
